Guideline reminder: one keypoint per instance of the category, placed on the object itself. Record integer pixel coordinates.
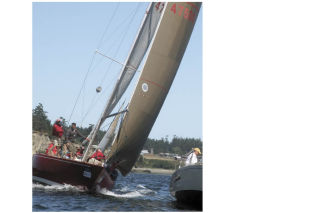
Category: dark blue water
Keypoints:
(135, 192)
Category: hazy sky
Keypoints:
(65, 36)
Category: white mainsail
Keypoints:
(132, 63)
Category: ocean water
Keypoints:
(135, 192)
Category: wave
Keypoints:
(126, 192)
(57, 188)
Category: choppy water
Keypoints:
(135, 192)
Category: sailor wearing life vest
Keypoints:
(57, 129)
(97, 157)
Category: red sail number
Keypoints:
(160, 6)
(187, 13)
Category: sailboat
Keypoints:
(163, 37)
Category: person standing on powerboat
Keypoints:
(192, 157)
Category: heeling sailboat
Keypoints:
(158, 73)
(54, 170)
(169, 27)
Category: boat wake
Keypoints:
(126, 192)
(57, 188)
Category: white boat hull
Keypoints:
(186, 185)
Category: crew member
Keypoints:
(73, 132)
(57, 129)
(71, 135)
(97, 157)
(52, 148)
(80, 151)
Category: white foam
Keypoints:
(126, 192)
(141, 186)
(125, 195)
(64, 187)
(124, 189)
(144, 190)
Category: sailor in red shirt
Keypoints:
(57, 129)
(80, 151)
(52, 148)
(98, 155)
(97, 158)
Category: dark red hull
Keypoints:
(52, 170)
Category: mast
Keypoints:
(138, 50)
(163, 60)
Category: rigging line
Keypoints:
(84, 80)
(121, 23)
(134, 13)
(94, 66)
(94, 102)
(121, 42)
(84, 116)
(83, 98)
(100, 53)
(106, 73)
(129, 67)
(92, 63)
(110, 63)
(108, 25)
(106, 125)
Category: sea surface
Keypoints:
(135, 192)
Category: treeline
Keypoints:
(41, 123)
(177, 145)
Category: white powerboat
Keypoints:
(186, 185)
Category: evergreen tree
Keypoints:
(40, 121)
(64, 122)
(177, 145)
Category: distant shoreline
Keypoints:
(153, 171)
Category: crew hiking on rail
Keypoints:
(97, 158)
(54, 147)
